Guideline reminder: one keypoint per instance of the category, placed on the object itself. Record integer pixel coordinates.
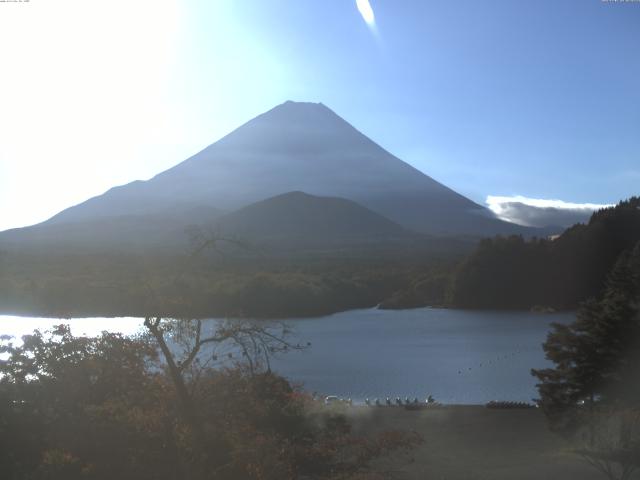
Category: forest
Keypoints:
(494, 273)
(557, 273)
(591, 395)
(228, 283)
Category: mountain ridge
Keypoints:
(306, 147)
(295, 146)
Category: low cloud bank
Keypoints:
(537, 212)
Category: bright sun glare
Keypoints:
(83, 84)
(366, 11)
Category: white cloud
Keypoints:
(538, 212)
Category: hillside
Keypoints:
(132, 233)
(514, 273)
(297, 218)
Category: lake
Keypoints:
(464, 357)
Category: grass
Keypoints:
(476, 443)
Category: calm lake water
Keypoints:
(456, 356)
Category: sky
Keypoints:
(506, 102)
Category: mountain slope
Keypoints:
(131, 232)
(298, 147)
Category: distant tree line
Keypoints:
(514, 273)
(115, 285)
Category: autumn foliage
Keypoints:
(105, 408)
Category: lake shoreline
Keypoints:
(378, 307)
(456, 356)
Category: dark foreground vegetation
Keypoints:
(592, 395)
(107, 407)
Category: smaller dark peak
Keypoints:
(295, 197)
(295, 194)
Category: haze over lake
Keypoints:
(457, 356)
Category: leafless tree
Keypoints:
(188, 350)
(183, 344)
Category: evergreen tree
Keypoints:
(596, 357)
(560, 273)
